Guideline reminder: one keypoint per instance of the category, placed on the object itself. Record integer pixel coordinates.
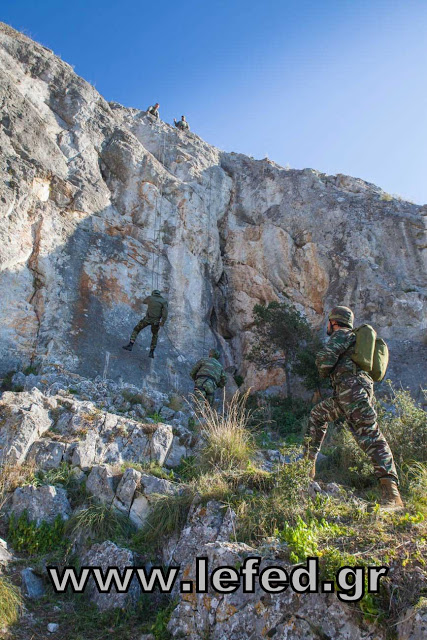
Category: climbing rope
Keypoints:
(155, 275)
(206, 262)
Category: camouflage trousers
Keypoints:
(353, 400)
(205, 387)
(142, 324)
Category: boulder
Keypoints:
(5, 555)
(33, 586)
(47, 454)
(100, 483)
(245, 616)
(126, 490)
(107, 555)
(41, 503)
(24, 417)
(413, 624)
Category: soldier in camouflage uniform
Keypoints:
(182, 124)
(208, 374)
(156, 316)
(154, 111)
(353, 399)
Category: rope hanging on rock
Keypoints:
(155, 275)
(206, 261)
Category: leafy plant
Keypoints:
(284, 338)
(26, 535)
(8, 385)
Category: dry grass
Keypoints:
(10, 602)
(13, 476)
(228, 442)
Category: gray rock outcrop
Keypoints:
(41, 503)
(99, 205)
(244, 616)
(105, 555)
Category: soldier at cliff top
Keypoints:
(208, 374)
(353, 399)
(154, 111)
(182, 124)
(156, 316)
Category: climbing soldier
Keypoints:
(154, 111)
(353, 399)
(155, 317)
(208, 374)
(182, 124)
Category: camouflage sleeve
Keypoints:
(146, 300)
(165, 311)
(194, 370)
(327, 358)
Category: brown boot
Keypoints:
(390, 496)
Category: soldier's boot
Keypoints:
(151, 354)
(128, 347)
(390, 496)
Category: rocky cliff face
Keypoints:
(99, 205)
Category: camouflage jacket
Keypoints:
(334, 359)
(153, 111)
(157, 308)
(182, 124)
(211, 368)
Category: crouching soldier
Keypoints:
(155, 317)
(182, 124)
(353, 399)
(208, 374)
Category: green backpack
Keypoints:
(371, 352)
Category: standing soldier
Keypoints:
(154, 111)
(353, 399)
(182, 124)
(156, 316)
(208, 374)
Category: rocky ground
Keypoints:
(101, 474)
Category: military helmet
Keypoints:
(344, 315)
(213, 353)
(156, 292)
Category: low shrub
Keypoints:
(26, 535)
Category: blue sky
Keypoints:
(336, 85)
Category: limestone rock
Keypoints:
(5, 555)
(41, 503)
(107, 555)
(413, 625)
(149, 485)
(24, 417)
(204, 524)
(100, 483)
(32, 585)
(82, 183)
(47, 454)
(126, 490)
(243, 616)
(166, 413)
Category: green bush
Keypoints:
(7, 384)
(25, 535)
(404, 424)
